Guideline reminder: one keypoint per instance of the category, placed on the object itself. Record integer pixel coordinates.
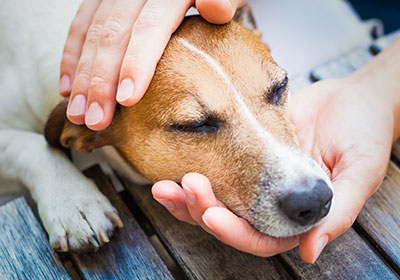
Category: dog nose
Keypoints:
(307, 205)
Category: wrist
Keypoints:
(379, 80)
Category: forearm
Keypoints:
(382, 76)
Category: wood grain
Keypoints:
(24, 250)
(129, 255)
(200, 255)
(380, 217)
(347, 257)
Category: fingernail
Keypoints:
(210, 228)
(170, 205)
(205, 222)
(95, 114)
(77, 106)
(323, 240)
(125, 90)
(65, 84)
(189, 194)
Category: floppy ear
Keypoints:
(60, 133)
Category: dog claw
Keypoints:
(62, 244)
(93, 241)
(116, 220)
(103, 236)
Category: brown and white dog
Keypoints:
(217, 105)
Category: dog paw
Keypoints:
(79, 222)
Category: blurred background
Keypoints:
(308, 34)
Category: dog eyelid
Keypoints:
(276, 92)
(209, 124)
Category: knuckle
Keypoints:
(134, 60)
(150, 18)
(112, 32)
(99, 81)
(93, 33)
(82, 75)
(99, 85)
(69, 58)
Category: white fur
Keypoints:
(71, 207)
(32, 37)
(289, 166)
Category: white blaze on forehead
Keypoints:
(264, 135)
(288, 160)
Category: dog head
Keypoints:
(218, 105)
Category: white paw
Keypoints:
(78, 220)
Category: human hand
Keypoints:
(347, 125)
(113, 47)
(342, 126)
(196, 204)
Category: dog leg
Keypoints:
(76, 215)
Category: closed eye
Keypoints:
(277, 91)
(210, 124)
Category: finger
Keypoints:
(350, 193)
(199, 195)
(171, 196)
(78, 100)
(151, 33)
(244, 237)
(218, 12)
(111, 48)
(73, 46)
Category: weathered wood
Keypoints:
(380, 217)
(129, 255)
(347, 257)
(24, 250)
(199, 254)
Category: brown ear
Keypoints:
(245, 18)
(60, 133)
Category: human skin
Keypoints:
(348, 126)
(113, 47)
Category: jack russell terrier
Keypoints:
(217, 105)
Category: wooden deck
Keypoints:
(154, 245)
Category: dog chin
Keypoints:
(289, 232)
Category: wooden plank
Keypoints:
(380, 217)
(129, 255)
(347, 257)
(24, 250)
(200, 255)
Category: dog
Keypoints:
(217, 105)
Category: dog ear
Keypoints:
(245, 18)
(61, 134)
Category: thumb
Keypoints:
(218, 11)
(352, 188)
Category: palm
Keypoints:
(340, 127)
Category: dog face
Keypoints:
(217, 105)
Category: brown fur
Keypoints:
(184, 89)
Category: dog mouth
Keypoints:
(295, 236)
(269, 219)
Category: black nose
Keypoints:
(307, 205)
